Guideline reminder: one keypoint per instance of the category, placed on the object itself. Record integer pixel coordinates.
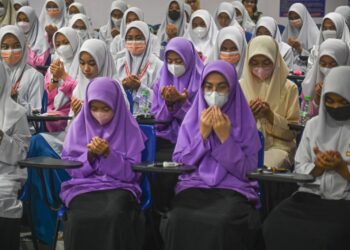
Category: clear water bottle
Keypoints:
(144, 108)
(305, 111)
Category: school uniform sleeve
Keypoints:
(15, 143)
(280, 127)
(85, 170)
(180, 110)
(312, 57)
(289, 58)
(37, 60)
(160, 111)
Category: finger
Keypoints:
(316, 150)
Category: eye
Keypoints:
(106, 109)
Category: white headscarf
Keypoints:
(271, 89)
(88, 34)
(21, 2)
(10, 14)
(271, 25)
(137, 63)
(180, 23)
(105, 65)
(345, 12)
(10, 111)
(106, 30)
(331, 134)
(59, 21)
(207, 43)
(308, 34)
(15, 72)
(343, 32)
(226, 7)
(236, 35)
(335, 48)
(247, 23)
(188, 10)
(79, 6)
(35, 37)
(123, 25)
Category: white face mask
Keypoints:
(116, 21)
(239, 19)
(82, 33)
(25, 26)
(215, 99)
(65, 52)
(325, 70)
(2, 11)
(329, 34)
(297, 23)
(200, 31)
(176, 70)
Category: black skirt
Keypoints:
(106, 220)
(209, 219)
(305, 221)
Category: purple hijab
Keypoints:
(123, 135)
(190, 80)
(220, 165)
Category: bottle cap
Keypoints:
(307, 98)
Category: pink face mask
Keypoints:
(136, 48)
(230, 57)
(102, 117)
(11, 56)
(262, 72)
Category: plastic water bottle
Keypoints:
(144, 102)
(305, 112)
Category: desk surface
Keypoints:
(151, 121)
(48, 118)
(49, 163)
(158, 168)
(281, 177)
(296, 127)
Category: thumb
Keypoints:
(316, 150)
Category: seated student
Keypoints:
(117, 45)
(225, 15)
(195, 4)
(272, 98)
(81, 23)
(38, 47)
(231, 47)
(243, 17)
(317, 215)
(14, 142)
(175, 89)
(17, 4)
(27, 84)
(268, 26)
(301, 34)
(104, 193)
(52, 17)
(76, 8)
(7, 13)
(332, 53)
(139, 68)
(344, 10)
(202, 32)
(112, 28)
(60, 79)
(214, 207)
(333, 26)
(252, 8)
(174, 23)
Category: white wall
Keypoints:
(155, 9)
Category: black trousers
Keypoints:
(9, 233)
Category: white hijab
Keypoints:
(137, 63)
(107, 29)
(10, 14)
(86, 20)
(308, 34)
(180, 23)
(247, 22)
(343, 32)
(59, 21)
(10, 111)
(345, 12)
(271, 25)
(335, 48)
(332, 134)
(236, 35)
(226, 7)
(123, 25)
(36, 35)
(207, 43)
(79, 6)
(21, 2)
(15, 72)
